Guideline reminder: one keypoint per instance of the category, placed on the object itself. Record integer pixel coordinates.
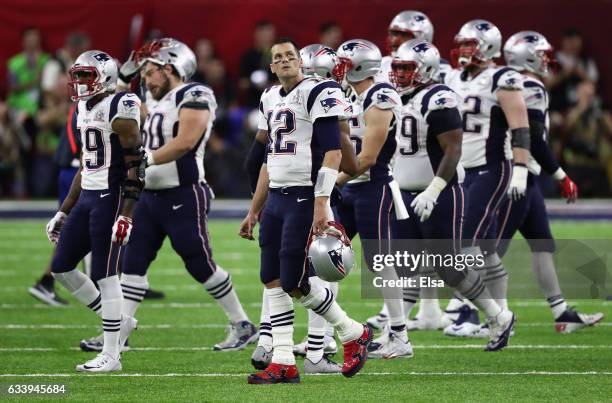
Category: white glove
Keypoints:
(425, 201)
(122, 230)
(54, 226)
(518, 182)
(128, 70)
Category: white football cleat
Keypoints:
(429, 321)
(128, 324)
(570, 321)
(103, 362)
(378, 321)
(383, 338)
(324, 366)
(500, 330)
(466, 325)
(394, 347)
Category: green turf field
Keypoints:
(172, 358)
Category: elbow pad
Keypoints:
(520, 138)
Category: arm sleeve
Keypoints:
(127, 107)
(326, 134)
(444, 120)
(539, 148)
(254, 161)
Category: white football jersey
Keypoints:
(162, 126)
(536, 99)
(292, 158)
(485, 129)
(418, 151)
(383, 96)
(102, 154)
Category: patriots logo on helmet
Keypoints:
(531, 38)
(325, 51)
(421, 47)
(352, 46)
(483, 26)
(329, 103)
(101, 57)
(129, 103)
(419, 17)
(336, 257)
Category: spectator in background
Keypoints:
(575, 66)
(588, 138)
(12, 175)
(24, 74)
(75, 44)
(255, 74)
(330, 34)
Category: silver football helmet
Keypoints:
(330, 254)
(93, 72)
(359, 59)
(412, 22)
(477, 42)
(416, 62)
(307, 56)
(327, 64)
(169, 51)
(529, 50)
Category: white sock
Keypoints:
(281, 318)
(335, 289)
(393, 302)
(134, 288)
(321, 300)
(112, 301)
(219, 286)
(87, 264)
(265, 327)
(496, 279)
(543, 267)
(429, 304)
(316, 328)
(83, 289)
(411, 296)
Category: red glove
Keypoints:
(569, 189)
(122, 230)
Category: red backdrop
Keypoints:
(229, 23)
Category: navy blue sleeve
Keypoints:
(326, 134)
(254, 161)
(539, 148)
(444, 120)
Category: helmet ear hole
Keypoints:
(358, 68)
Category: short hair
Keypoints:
(328, 26)
(286, 39)
(263, 24)
(571, 32)
(27, 30)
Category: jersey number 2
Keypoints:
(472, 107)
(282, 146)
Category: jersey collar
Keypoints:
(282, 90)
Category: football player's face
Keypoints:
(396, 38)
(156, 80)
(286, 62)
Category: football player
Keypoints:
(405, 26)
(530, 53)
(291, 204)
(176, 198)
(320, 343)
(367, 198)
(97, 213)
(427, 169)
(492, 106)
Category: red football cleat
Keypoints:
(356, 353)
(276, 373)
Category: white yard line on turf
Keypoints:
(417, 347)
(361, 374)
(19, 326)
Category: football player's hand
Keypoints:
(518, 182)
(54, 226)
(423, 205)
(569, 190)
(122, 230)
(320, 216)
(247, 226)
(128, 70)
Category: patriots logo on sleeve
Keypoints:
(385, 98)
(336, 257)
(511, 81)
(197, 93)
(129, 103)
(444, 100)
(329, 103)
